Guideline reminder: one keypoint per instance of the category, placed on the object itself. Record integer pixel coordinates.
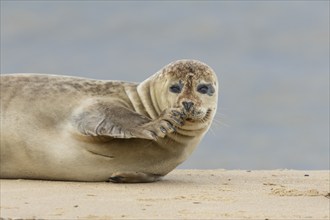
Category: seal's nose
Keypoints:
(187, 105)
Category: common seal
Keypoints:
(76, 129)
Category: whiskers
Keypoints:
(218, 121)
(201, 121)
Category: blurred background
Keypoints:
(271, 58)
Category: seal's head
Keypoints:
(187, 84)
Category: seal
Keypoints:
(75, 129)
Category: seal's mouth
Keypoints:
(198, 116)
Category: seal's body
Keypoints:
(68, 128)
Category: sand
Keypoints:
(183, 194)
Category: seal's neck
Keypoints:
(147, 92)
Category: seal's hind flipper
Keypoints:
(134, 177)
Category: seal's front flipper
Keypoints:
(133, 177)
(169, 120)
(108, 119)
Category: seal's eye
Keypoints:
(205, 89)
(176, 88)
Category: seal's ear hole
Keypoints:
(176, 88)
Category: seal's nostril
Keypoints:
(187, 105)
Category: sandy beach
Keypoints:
(183, 194)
